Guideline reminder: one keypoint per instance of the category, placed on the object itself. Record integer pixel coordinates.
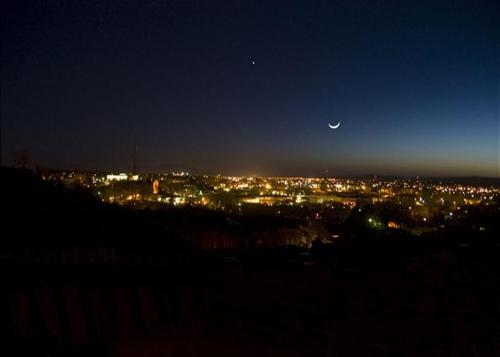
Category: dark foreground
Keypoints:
(79, 279)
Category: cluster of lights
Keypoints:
(423, 199)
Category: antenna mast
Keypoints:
(134, 163)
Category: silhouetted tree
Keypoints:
(22, 158)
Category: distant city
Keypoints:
(419, 205)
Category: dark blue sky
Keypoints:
(416, 87)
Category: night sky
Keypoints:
(249, 87)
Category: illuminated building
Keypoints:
(156, 186)
(392, 224)
(119, 177)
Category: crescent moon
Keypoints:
(334, 126)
